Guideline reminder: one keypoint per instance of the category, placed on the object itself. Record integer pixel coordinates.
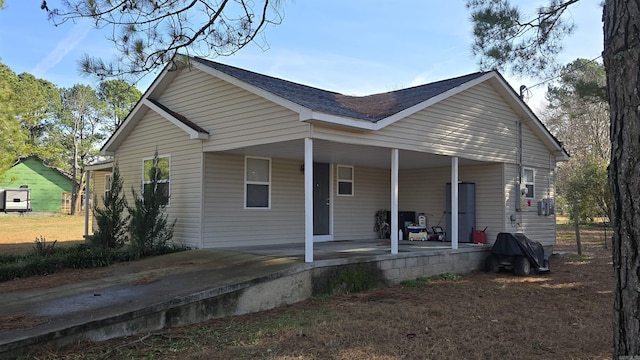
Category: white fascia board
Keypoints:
(561, 153)
(251, 88)
(339, 120)
(193, 134)
(132, 118)
(101, 166)
(200, 136)
(123, 130)
(562, 156)
(368, 125)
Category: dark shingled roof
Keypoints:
(371, 107)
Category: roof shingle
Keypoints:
(371, 108)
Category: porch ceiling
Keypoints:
(350, 154)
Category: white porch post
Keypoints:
(308, 200)
(394, 200)
(454, 203)
(87, 202)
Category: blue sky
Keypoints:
(355, 47)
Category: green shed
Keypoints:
(47, 183)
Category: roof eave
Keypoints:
(107, 165)
(316, 117)
(193, 133)
(561, 153)
(297, 108)
(109, 148)
(431, 101)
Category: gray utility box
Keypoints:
(16, 200)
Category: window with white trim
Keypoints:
(107, 185)
(164, 175)
(345, 180)
(529, 182)
(257, 183)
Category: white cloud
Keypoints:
(78, 32)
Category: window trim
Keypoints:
(531, 183)
(247, 182)
(107, 184)
(168, 181)
(351, 181)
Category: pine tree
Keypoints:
(111, 218)
(148, 225)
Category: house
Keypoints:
(50, 187)
(252, 159)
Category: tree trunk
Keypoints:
(621, 58)
(78, 202)
(576, 225)
(74, 177)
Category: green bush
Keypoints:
(42, 248)
(79, 256)
(148, 225)
(111, 217)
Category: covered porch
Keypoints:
(399, 193)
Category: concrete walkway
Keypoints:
(142, 289)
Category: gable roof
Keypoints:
(371, 108)
(45, 164)
(371, 112)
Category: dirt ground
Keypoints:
(562, 315)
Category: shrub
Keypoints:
(111, 218)
(148, 225)
(42, 248)
(79, 256)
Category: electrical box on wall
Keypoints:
(546, 207)
(522, 201)
(551, 206)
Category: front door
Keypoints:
(321, 199)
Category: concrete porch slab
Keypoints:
(197, 285)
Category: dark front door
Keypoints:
(321, 199)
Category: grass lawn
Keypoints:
(18, 233)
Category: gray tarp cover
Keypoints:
(514, 244)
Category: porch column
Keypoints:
(87, 202)
(308, 200)
(454, 203)
(394, 200)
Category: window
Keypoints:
(257, 180)
(529, 182)
(164, 172)
(345, 180)
(107, 185)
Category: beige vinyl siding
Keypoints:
(98, 179)
(537, 227)
(98, 182)
(154, 132)
(424, 191)
(534, 153)
(354, 216)
(233, 117)
(474, 124)
(228, 223)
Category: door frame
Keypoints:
(328, 237)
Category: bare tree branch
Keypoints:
(147, 34)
